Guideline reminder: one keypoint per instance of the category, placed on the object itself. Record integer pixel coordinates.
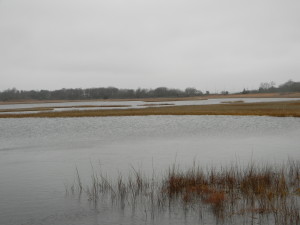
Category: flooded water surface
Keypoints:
(39, 157)
(102, 105)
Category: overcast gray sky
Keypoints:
(211, 45)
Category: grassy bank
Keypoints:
(233, 193)
(278, 109)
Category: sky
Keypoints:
(213, 45)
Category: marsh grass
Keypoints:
(232, 193)
(92, 106)
(157, 104)
(37, 109)
(278, 109)
(174, 99)
(230, 102)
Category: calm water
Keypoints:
(38, 158)
(136, 104)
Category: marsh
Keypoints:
(39, 157)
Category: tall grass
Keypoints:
(231, 193)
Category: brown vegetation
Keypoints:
(35, 109)
(61, 107)
(31, 101)
(232, 192)
(258, 95)
(230, 102)
(174, 99)
(258, 190)
(278, 109)
(93, 106)
(162, 104)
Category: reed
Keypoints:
(228, 193)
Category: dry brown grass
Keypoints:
(162, 104)
(92, 106)
(231, 192)
(230, 102)
(174, 99)
(256, 190)
(216, 96)
(278, 109)
(27, 109)
(258, 95)
(31, 101)
(61, 107)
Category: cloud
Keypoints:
(207, 44)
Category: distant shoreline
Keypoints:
(204, 97)
(276, 109)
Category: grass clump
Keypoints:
(230, 193)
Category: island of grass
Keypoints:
(37, 109)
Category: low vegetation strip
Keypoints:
(27, 109)
(151, 105)
(240, 101)
(60, 107)
(277, 109)
(94, 106)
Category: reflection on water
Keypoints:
(38, 157)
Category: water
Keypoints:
(132, 104)
(38, 157)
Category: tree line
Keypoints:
(115, 93)
(269, 87)
(96, 93)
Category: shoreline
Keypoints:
(276, 109)
(162, 99)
